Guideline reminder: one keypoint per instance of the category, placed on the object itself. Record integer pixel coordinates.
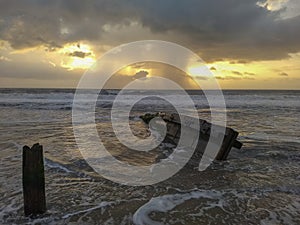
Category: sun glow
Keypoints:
(199, 70)
(131, 70)
(77, 56)
(78, 63)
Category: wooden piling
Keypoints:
(33, 180)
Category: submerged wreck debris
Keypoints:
(148, 117)
(173, 133)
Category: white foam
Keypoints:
(101, 205)
(10, 208)
(168, 202)
(287, 214)
(53, 165)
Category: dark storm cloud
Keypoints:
(34, 22)
(140, 74)
(80, 54)
(228, 29)
(237, 73)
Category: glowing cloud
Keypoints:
(80, 56)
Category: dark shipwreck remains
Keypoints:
(174, 128)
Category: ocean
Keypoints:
(258, 184)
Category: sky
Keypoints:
(247, 44)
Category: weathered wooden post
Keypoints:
(33, 180)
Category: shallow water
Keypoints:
(259, 184)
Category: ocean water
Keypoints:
(259, 184)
